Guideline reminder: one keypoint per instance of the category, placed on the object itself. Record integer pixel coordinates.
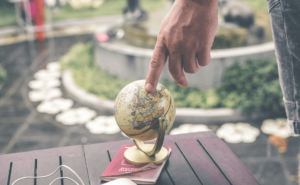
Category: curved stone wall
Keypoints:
(128, 62)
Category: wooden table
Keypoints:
(197, 158)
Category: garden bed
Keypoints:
(250, 87)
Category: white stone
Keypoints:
(76, 116)
(233, 138)
(55, 106)
(237, 133)
(54, 67)
(120, 34)
(103, 125)
(47, 107)
(46, 75)
(278, 127)
(68, 117)
(189, 128)
(85, 114)
(46, 94)
(50, 3)
(40, 84)
(36, 84)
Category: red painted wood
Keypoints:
(4, 170)
(39, 18)
(49, 158)
(96, 163)
(22, 168)
(164, 178)
(186, 165)
(231, 166)
(178, 168)
(46, 166)
(48, 161)
(97, 158)
(202, 164)
(76, 161)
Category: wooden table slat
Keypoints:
(179, 170)
(202, 164)
(76, 161)
(164, 178)
(113, 151)
(46, 166)
(23, 168)
(4, 171)
(96, 160)
(231, 166)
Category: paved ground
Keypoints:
(22, 128)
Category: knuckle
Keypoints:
(193, 44)
(155, 63)
(204, 59)
(175, 73)
(161, 37)
(191, 70)
(174, 53)
(204, 63)
(151, 77)
(179, 45)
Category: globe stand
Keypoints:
(141, 153)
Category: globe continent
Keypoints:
(137, 111)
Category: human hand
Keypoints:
(186, 36)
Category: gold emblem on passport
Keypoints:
(143, 117)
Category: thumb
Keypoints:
(157, 63)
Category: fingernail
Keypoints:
(148, 87)
(183, 84)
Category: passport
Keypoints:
(119, 168)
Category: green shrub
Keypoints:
(252, 87)
(88, 75)
(230, 38)
(3, 76)
(8, 17)
(192, 96)
(5, 3)
(260, 5)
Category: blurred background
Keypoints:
(63, 62)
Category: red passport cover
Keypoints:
(119, 167)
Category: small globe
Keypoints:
(137, 112)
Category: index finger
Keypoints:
(157, 63)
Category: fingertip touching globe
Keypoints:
(137, 112)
